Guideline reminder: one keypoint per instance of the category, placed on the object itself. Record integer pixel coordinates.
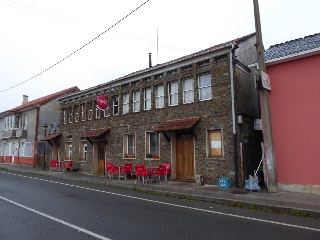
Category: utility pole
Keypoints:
(269, 161)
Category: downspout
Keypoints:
(35, 143)
(234, 133)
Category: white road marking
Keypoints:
(56, 219)
(174, 205)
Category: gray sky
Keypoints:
(36, 34)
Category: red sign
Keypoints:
(102, 102)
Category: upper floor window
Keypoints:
(25, 121)
(116, 105)
(160, 96)
(69, 150)
(83, 112)
(214, 144)
(205, 92)
(106, 112)
(70, 114)
(188, 92)
(16, 121)
(173, 93)
(136, 101)
(64, 116)
(129, 145)
(98, 113)
(76, 113)
(125, 103)
(90, 110)
(152, 145)
(147, 99)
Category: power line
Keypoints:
(78, 48)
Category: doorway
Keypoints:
(101, 157)
(185, 157)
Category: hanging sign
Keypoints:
(102, 102)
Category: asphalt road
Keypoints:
(33, 207)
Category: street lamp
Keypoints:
(44, 147)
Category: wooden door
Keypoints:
(185, 158)
(101, 157)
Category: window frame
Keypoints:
(173, 93)
(159, 97)
(186, 91)
(115, 107)
(129, 153)
(149, 153)
(214, 144)
(125, 103)
(201, 88)
(136, 101)
(147, 99)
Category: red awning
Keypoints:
(52, 137)
(176, 125)
(94, 133)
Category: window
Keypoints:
(70, 114)
(160, 96)
(98, 113)
(83, 112)
(28, 149)
(83, 151)
(147, 99)
(69, 151)
(129, 146)
(205, 87)
(152, 145)
(215, 143)
(64, 116)
(106, 112)
(25, 121)
(188, 92)
(90, 110)
(136, 101)
(16, 121)
(76, 113)
(173, 94)
(116, 105)
(125, 103)
(22, 149)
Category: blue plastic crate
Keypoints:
(224, 183)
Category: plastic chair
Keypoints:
(168, 170)
(110, 169)
(67, 165)
(53, 164)
(162, 172)
(141, 172)
(120, 171)
(128, 168)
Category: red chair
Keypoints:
(110, 169)
(67, 165)
(162, 171)
(120, 171)
(128, 168)
(53, 164)
(141, 172)
(168, 170)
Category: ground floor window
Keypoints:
(69, 151)
(214, 144)
(152, 145)
(129, 146)
(83, 151)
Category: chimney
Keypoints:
(24, 99)
(150, 63)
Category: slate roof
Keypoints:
(296, 46)
(94, 133)
(176, 125)
(45, 99)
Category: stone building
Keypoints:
(196, 112)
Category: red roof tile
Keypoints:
(176, 125)
(45, 98)
(94, 133)
(51, 137)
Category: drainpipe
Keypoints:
(234, 133)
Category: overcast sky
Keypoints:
(36, 34)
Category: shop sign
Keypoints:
(102, 102)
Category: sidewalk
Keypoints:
(280, 202)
